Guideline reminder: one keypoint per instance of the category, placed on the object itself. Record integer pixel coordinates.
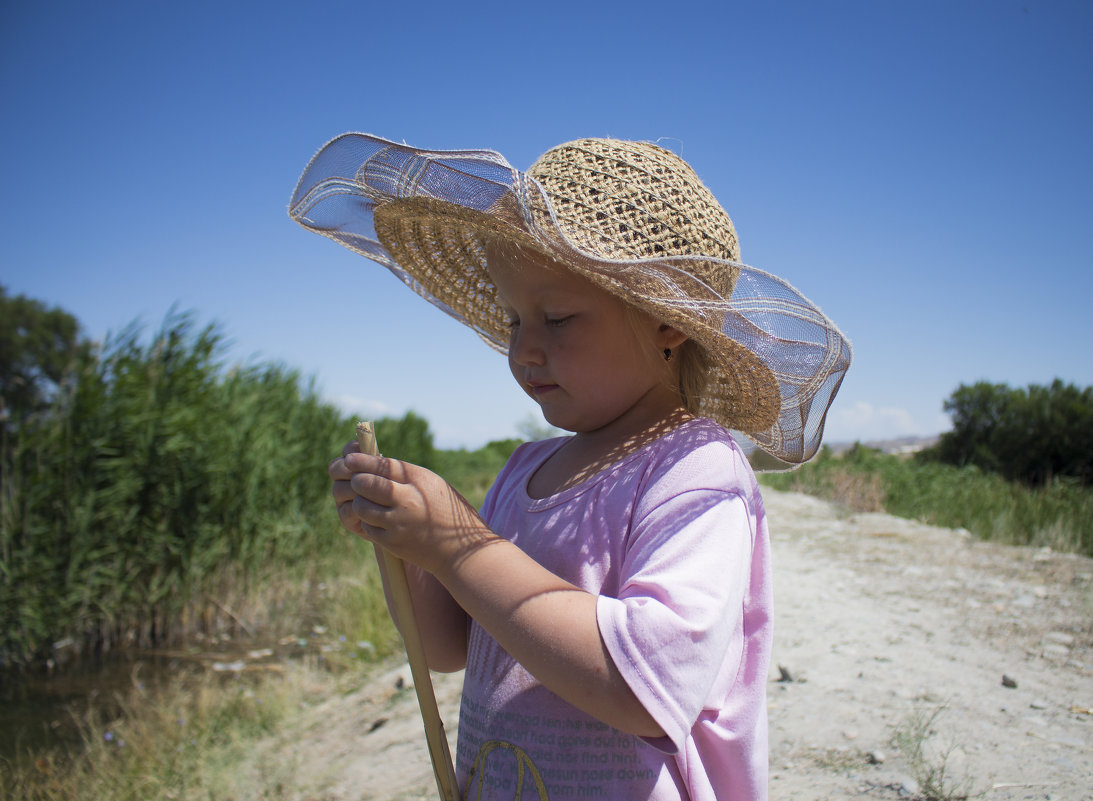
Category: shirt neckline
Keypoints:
(568, 494)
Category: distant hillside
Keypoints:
(894, 446)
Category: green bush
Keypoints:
(472, 473)
(407, 439)
(1057, 515)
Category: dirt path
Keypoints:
(883, 627)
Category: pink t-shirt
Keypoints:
(673, 540)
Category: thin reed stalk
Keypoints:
(446, 782)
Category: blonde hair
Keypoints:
(691, 363)
(693, 374)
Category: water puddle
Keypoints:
(41, 710)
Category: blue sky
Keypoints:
(922, 170)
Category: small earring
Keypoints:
(667, 354)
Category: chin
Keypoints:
(560, 421)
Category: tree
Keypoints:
(1060, 417)
(40, 348)
(407, 439)
(978, 413)
(1030, 435)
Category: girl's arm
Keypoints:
(547, 624)
(550, 627)
(441, 621)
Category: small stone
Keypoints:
(401, 678)
(229, 667)
(784, 674)
(875, 757)
(1073, 742)
(1060, 637)
(907, 786)
(1007, 681)
(1039, 704)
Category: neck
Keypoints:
(638, 433)
(587, 453)
(658, 410)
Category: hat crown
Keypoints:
(626, 200)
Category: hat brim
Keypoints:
(442, 245)
(775, 360)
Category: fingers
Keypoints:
(360, 515)
(392, 469)
(370, 492)
(342, 470)
(364, 488)
(363, 515)
(337, 468)
(379, 490)
(342, 491)
(348, 518)
(352, 461)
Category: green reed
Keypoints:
(158, 478)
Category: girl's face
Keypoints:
(590, 363)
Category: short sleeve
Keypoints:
(676, 624)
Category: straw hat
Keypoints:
(632, 218)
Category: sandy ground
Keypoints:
(889, 634)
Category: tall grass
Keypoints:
(184, 740)
(159, 482)
(1059, 515)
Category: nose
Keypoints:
(525, 347)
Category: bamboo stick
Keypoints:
(443, 769)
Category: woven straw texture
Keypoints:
(631, 217)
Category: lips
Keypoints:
(539, 388)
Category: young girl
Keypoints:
(611, 602)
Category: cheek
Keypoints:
(516, 370)
(631, 356)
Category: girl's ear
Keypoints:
(671, 337)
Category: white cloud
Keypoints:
(362, 407)
(864, 421)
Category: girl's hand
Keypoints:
(343, 493)
(406, 509)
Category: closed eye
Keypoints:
(558, 322)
